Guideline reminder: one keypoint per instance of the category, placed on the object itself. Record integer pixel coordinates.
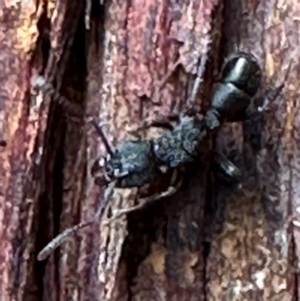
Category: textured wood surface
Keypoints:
(140, 59)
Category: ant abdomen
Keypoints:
(243, 71)
(241, 78)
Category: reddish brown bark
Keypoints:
(137, 54)
(255, 246)
(18, 129)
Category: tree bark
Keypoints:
(124, 62)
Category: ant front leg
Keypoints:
(59, 239)
(175, 185)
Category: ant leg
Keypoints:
(226, 175)
(148, 124)
(254, 121)
(151, 199)
(59, 239)
(226, 166)
(163, 123)
(212, 119)
(145, 201)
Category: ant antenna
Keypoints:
(40, 83)
(59, 239)
(100, 132)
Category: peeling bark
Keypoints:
(139, 60)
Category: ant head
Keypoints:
(130, 164)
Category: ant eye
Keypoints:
(102, 161)
(109, 170)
